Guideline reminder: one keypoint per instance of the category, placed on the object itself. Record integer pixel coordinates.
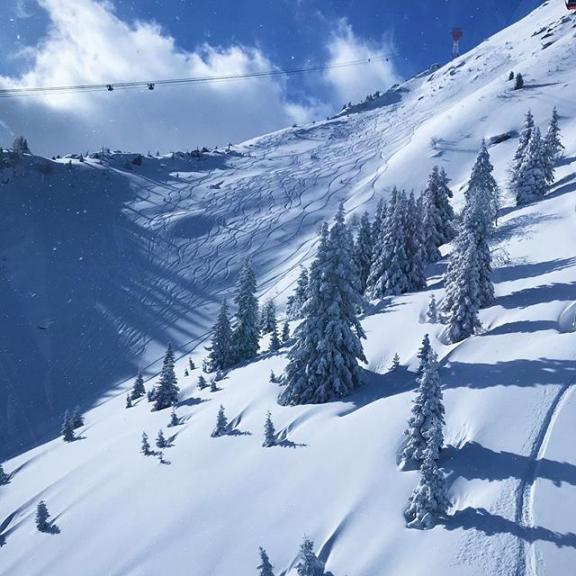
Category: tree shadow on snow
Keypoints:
(474, 461)
(491, 525)
(557, 292)
(522, 373)
(531, 270)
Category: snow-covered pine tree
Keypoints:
(429, 501)
(128, 401)
(275, 342)
(431, 225)
(167, 390)
(414, 244)
(192, 365)
(222, 427)
(246, 334)
(530, 182)
(460, 305)
(363, 249)
(202, 384)
(138, 389)
(425, 425)
(395, 362)
(161, 440)
(174, 419)
(214, 385)
(552, 147)
(309, 564)
(220, 356)
(376, 283)
(265, 568)
(77, 418)
(269, 432)
(423, 353)
(4, 478)
(519, 82)
(443, 195)
(297, 300)
(268, 317)
(483, 191)
(330, 325)
(432, 312)
(525, 135)
(43, 523)
(285, 333)
(68, 428)
(145, 445)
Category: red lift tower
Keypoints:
(456, 37)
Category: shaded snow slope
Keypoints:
(90, 299)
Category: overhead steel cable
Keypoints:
(152, 84)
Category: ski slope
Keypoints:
(113, 260)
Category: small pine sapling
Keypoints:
(264, 568)
(145, 445)
(221, 428)
(432, 312)
(174, 419)
(77, 418)
(128, 401)
(68, 428)
(269, 432)
(396, 362)
(161, 441)
(202, 384)
(43, 523)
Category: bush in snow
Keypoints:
(68, 428)
(220, 356)
(330, 324)
(43, 523)
(167, 391)
(297, 300)
(222, 427)
(264, 568)
(138, 389)
(425, 426)
(246, 334)
(4, 478)
(309, 564)
(429, 502)
(269, 432)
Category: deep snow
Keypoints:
(109, 291)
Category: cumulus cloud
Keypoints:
(87, 43)
(356, 82)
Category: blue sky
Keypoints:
(414, 34)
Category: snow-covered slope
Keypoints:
(108, 292)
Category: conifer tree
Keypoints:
(425, 426)
(268, 318)
(202, 384)
(174, 420)
(431, 226)
(309, 564)
(323, 362)
(285, 333)
(4, 478)
(128, 401)
(68, 428)
(213, 385)
(43, 523)
(161, 440)
(220, 356)
(429, 502)
(167, 390)
(530, 182)
(269, 432)
(552, 147)
(265, 568)
(363, 249)
(525, 136)
(273, 377)
(192, 365)
(395, 362)
(378, 225)
(275, 343)
(186, 373)
(432, 312)
(297, 300)
(77, 418)
(519, 83)
(138, 389)
(414, 244)
(246, 334)
(145, 445)
(222, 426)
(460, 304)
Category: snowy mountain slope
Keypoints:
(132, 256)
(510, 407)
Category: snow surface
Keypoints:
(160, 249)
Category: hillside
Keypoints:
(89, 300)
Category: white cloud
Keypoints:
(88, 43)
(356, 82)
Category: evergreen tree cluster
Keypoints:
(308, 563)
(532, 170)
